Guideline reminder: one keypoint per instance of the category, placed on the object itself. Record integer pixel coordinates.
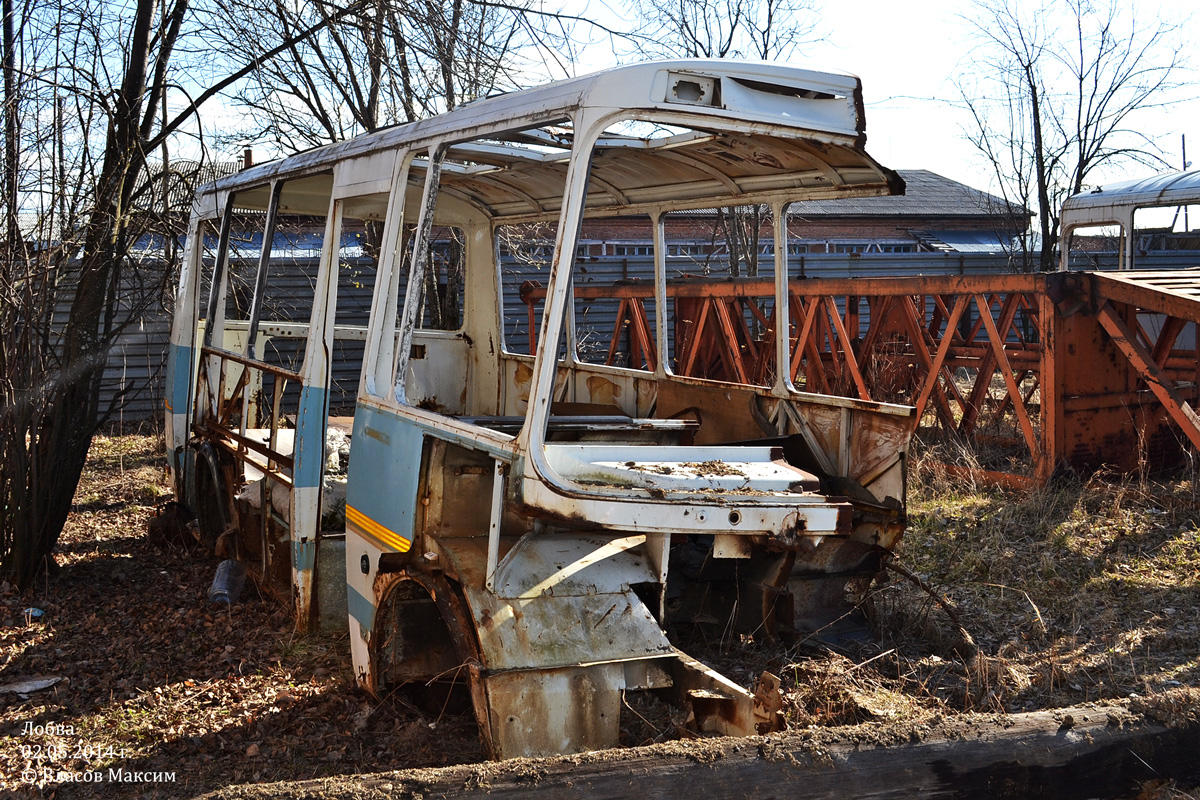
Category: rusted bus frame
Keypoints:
(418, 427)
(828, 353)
(216, 428)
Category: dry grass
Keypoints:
(1081, 591)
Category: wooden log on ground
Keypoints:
(1091, 751)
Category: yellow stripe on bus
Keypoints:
(372, 529)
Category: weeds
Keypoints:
(1083, 590)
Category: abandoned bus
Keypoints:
(356, 379)
(1114, 209)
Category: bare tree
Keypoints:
(74, 135)
(11, 127)
(1054, 92)
(86, 83)
(389, 62)
(762, 29)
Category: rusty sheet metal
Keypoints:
(1162, 386)
(1175, 293)
(543, 712)
(1127, 364)
(543, 630)
(571, 565)
(564, 636)
(720, 706)
(547, 712)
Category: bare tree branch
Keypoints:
(1053, 94)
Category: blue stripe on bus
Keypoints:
(304, 554)
(179, 374)
(310, 437)
(360, 608)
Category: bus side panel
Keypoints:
(178, 385)
(309, 457)
(381, 502)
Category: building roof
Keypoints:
(972, 241)
(185, 177)
(927, 194)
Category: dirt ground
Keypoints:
(1085, 591)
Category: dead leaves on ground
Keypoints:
(156, 680)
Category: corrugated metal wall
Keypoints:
(132, 384)
(289, 299)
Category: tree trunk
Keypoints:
(12, 231)
(71, 416)
(1046, 262)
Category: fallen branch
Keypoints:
(969, 641)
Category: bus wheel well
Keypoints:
(424, 646)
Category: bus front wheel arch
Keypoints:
(424, 645)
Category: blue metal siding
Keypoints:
(385, 469)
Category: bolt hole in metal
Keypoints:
(735, 517)
(689, 91)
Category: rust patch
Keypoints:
(768, 704)
(602, 390)
(523, 378)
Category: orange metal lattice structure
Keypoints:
(1040, 371)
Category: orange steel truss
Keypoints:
(1034, 371)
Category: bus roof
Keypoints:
(1175, 188)
(702, 128)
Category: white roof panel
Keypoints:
(1174, 188)
(744, 130)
